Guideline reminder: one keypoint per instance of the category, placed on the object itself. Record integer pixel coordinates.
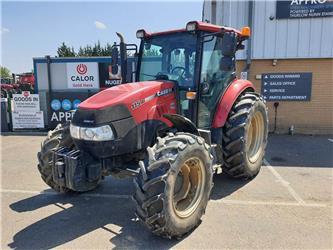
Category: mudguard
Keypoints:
(182, 123)
(226, 102)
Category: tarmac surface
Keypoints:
(288, 205)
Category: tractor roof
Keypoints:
(208, 27)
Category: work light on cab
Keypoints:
(140, 34)
(191, 26)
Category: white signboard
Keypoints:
(25, 102)
(28, 119)
(82, 75)
(244, 75)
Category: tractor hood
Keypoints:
(139, 101)
(127, 94)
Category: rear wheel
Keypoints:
(172, 190)
(245, 136)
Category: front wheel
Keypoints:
(172, 190)
(59, 137)
(245, 136)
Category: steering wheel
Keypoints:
(178, 68)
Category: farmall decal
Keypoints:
(82, 75)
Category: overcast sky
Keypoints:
(36, 29)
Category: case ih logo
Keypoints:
(81, 69)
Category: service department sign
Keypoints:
(294, 86)
(82, 75)
(304, 8)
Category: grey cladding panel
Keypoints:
(278, 38)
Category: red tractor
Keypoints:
(8, 87)
(26, 81)
(185, 118)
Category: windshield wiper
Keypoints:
(158, 76)
(147, 75)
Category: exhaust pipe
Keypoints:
(123, 58)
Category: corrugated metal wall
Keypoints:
(287, 38)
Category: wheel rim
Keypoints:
(255, 137)
(189, 187)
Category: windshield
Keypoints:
(169, 57)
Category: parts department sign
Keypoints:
(82, 75)
(304, 8)
(286, 86)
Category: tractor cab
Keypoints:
(199, 59)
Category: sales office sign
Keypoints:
(82, 75)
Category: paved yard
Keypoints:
(288, 205)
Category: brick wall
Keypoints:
(313, 117)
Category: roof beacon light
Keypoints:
(140, 34)
(246, 31)
(191, 26)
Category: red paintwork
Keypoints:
(27, 78)
(200, 26)
(6, 86)
(129, 93)
(228, 99)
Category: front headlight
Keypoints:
(75, 131)
(102, 133)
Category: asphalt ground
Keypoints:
(288, 205)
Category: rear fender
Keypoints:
(236, 88)
(182, 123)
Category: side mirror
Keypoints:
(147, 46)
(205, 88)
(229, 44)
(227, 63)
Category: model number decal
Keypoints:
(137, 104)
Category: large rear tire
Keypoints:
(172, 190)
(245, 136)
(59, 137)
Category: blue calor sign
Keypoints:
(76, 103)
(55, 104)
(66, 104)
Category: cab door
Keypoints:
(217, 71)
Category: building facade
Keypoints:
(289, 58)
